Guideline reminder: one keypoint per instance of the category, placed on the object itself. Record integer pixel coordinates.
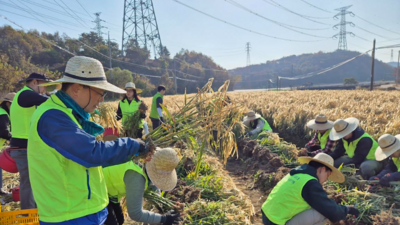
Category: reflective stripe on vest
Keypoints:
(63, 189)
(285, 200)
(154, 112)
(396, 162)
(351, 147)
(20, 117)
(129, 109)
(324, 139)
(114, 176)
(3, 112)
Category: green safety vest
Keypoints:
(351, 147)
(63, 189)
(285, 200)
(153, 112)
(20, 117)
(2, 140)
(114, 176)
(324, 139)
(129, 109)
(266, 126)
(396, 162)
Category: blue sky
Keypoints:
(181, 27)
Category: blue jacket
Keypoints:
(58, 131)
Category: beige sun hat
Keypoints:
(341, 128)
(86, 71)
(131, 85)
(251, 115)
(388, 145)
(320, 123)
(161, 169)
(327, 160)
(8, 97)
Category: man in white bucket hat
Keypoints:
(389, 147)
(256, 123)
(299, 197)
(320, 143)
(131, 181)
(65, 159)
(354, 146)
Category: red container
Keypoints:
(7, 163)
(110, 134)
(15, 194)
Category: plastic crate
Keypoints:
(26, 217)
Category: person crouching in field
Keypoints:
(389, 146)
(299, 197)
(320, 143)
(256, 123)
(130, 180)
(354, 146)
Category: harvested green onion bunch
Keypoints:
(133, 122)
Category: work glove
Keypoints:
(143, 147)
(172, 218)
(353, 211)
(143, 115)
(385, 180)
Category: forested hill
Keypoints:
(257, 76)
(22, 53)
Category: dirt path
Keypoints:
(237, 170)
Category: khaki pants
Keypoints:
(308, 217)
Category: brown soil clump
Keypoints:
(184, 193)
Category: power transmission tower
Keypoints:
(98, 26)
(342, 33)
(391, 56)
(140, 23)
(248, 48)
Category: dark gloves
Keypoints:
(143, 148)
(385, 180)
(353, 211)
(143, 115)
(172, 218)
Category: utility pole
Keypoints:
(371, 87)
(342, 33)
(248, 48)
(175, 81)
(277, 83)
(109, 55)
(391, 56)
(398, 69)
(98, 26)
(140, 24)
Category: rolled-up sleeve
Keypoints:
(58, 131)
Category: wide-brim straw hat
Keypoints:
(161, 169)
(342, 128)
(388, 145)
(327, 160)
(86, 71)
(320, 123)
(8, 97)
(251, 115)
(131, 85)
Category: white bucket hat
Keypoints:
(320, 123)
(8, 97)
(251, 115)
(342, 128)
(86, 71)
(388, 145)
(327, 160)
(131, 85)
(161, 169)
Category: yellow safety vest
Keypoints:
(324, 138)
(20, 117)
(351, 147)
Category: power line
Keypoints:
(240, 27)
(273, 3)
(376, 25)
(316, 6)
(287, 26)
(72, 11)
(69, 13)
(84, 9)
(371, 32)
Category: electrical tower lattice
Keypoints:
(140, 23)
(98, 26)
(343, 23)
(248, 48)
